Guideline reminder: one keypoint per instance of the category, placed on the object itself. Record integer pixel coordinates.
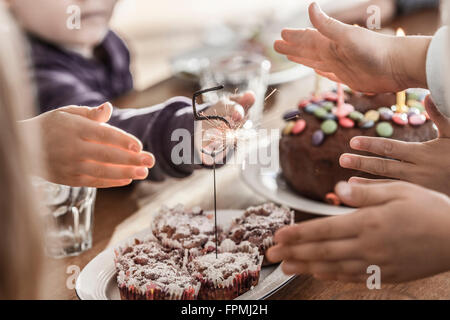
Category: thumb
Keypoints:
(101, 113)
(364, 195)
(329, 27)
(440, 120)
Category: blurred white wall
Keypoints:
(157, 30)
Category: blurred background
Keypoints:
(164, 36)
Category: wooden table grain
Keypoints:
(121, 212)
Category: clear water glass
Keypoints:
(238, 72)
(68, 217)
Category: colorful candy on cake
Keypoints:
(319, 130)
(180, 261)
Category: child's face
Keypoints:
(54, 20)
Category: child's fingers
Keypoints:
(441, 121)
(87, 181)
(369, 181)
(106, 134)
(339, 227)
(368, 195)
(108, 154)
(101, 113)
(335, 268)
(112, 172)
(246, 99)
(316, 251)
(400, 150)
(377, 166)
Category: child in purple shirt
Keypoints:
(90, 65)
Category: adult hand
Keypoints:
(402, 228)
(424, 163)
(364, 60)
(80, 149)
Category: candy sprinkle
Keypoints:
(332, 199)
(400, 118)
(310, 108)
(288, 128)
(320, 113)
(417, 119)
(291, 115)
(303, 103)
(329, 127)
(317, 138)
(372, 115)
(384, 129)
(344, 110)
(299, 126)
(385, 113)
(366, 124)
(356, 115)
(327, 105)
(346, 123)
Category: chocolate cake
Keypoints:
(316, 135)
(181, 228)
(149, 271)
(234, 271)
(259, 224)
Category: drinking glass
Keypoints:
(68, 218)
(238, 72)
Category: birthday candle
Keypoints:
(401, 96)
(317, 85)
(340, 100)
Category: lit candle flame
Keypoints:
(400, 32)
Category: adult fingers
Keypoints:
(101, 113)
(369, 181)
(377, 166)
(314, 64)
(405, 151)
(329, 27)
(441, 121)
(315, 251)
(300, 51)
(338, 227)
(328, 75)
(361, 195)
(112, 172)
(108, 154)
(106, 134)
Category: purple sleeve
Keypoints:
(154, 127)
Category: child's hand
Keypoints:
(403, 229)
(216, 139)
(364, 60)
(79, 149)
(424, 163)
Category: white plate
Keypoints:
(97, 280)
(270, 184)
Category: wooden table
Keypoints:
(121, 212)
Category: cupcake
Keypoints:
(183, 229)
(228, 274)
(258, 225)
(149, 271)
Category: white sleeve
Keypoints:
(437, 66)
